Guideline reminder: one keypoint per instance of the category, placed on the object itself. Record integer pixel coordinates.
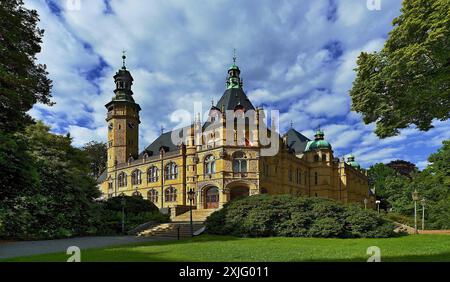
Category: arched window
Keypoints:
(137, 193)
(171, 171)
(316, 158)
(210, 165)
(239, 162)
(152, 174)
(136, 177)
(152, 196)
(170, 195)
(122, 179)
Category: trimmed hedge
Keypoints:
(290, 216)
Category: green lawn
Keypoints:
(208, 248)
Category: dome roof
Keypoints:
(318, 143)
(351, 161)
(233, 67)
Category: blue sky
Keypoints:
(295, 56)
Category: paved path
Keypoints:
(27, 248)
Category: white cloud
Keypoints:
(295, 56)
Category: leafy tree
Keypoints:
(440, 163)
(96, 152)
(408, 81)
(403, 167)
(377, 174)
(23, 82)
(63, 203)
(433, 185)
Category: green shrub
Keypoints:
(403, 219)
(285, 215)
(133, 204)
(327, 227)
(137, 211)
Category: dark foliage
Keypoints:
(133, 204)
(22, 81)
(137, 211)
(403, 167)
(433, 185)
(285, 215)
(97, 155)
(61, 201)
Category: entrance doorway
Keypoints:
(212, 198)
(238, 192)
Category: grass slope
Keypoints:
(207, 248)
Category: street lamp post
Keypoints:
(122, 202)
(423, 213)
(415, 196)
(378, 205)
(365, 203)
(191, 194)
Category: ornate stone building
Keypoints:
(218, 169)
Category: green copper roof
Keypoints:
(318, 143)
(351, 161)
(233, 67)
(354, 164)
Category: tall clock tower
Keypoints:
(123, 120)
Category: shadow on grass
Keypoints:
(204, 244)
(442, 257)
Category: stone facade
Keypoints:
(217, 170)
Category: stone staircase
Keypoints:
(180, 225)
(197, 215)
(172, 229)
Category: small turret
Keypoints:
(351, 161)
(318, 143)
(233, 79)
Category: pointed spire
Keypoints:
(123, 59)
